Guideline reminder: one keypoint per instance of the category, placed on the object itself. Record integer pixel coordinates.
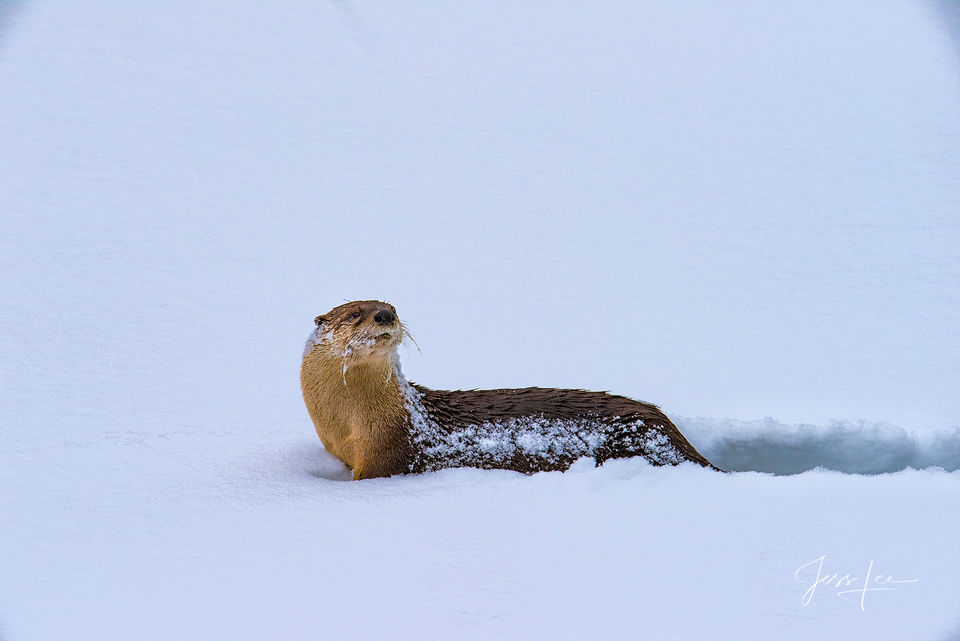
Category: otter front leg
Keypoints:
(381, 462)
(358, 474)
(369, 473)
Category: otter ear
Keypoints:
(319, 320)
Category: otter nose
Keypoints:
(385, 317)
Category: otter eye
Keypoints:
(355, 315)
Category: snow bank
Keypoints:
(194, 535)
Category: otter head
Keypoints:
(361, 330)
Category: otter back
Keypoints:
(537, 429)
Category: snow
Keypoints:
(185, 536)
(315, 338)
(746, 214)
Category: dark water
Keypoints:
(844, 447)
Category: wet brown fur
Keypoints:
(352, 393)
(474, 407)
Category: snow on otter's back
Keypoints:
(550, 440)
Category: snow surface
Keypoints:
(735, 211)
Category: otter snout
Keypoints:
(385, 317)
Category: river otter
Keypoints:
(370, 417)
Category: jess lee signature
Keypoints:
(855, 588)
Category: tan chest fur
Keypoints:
(358, 412)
